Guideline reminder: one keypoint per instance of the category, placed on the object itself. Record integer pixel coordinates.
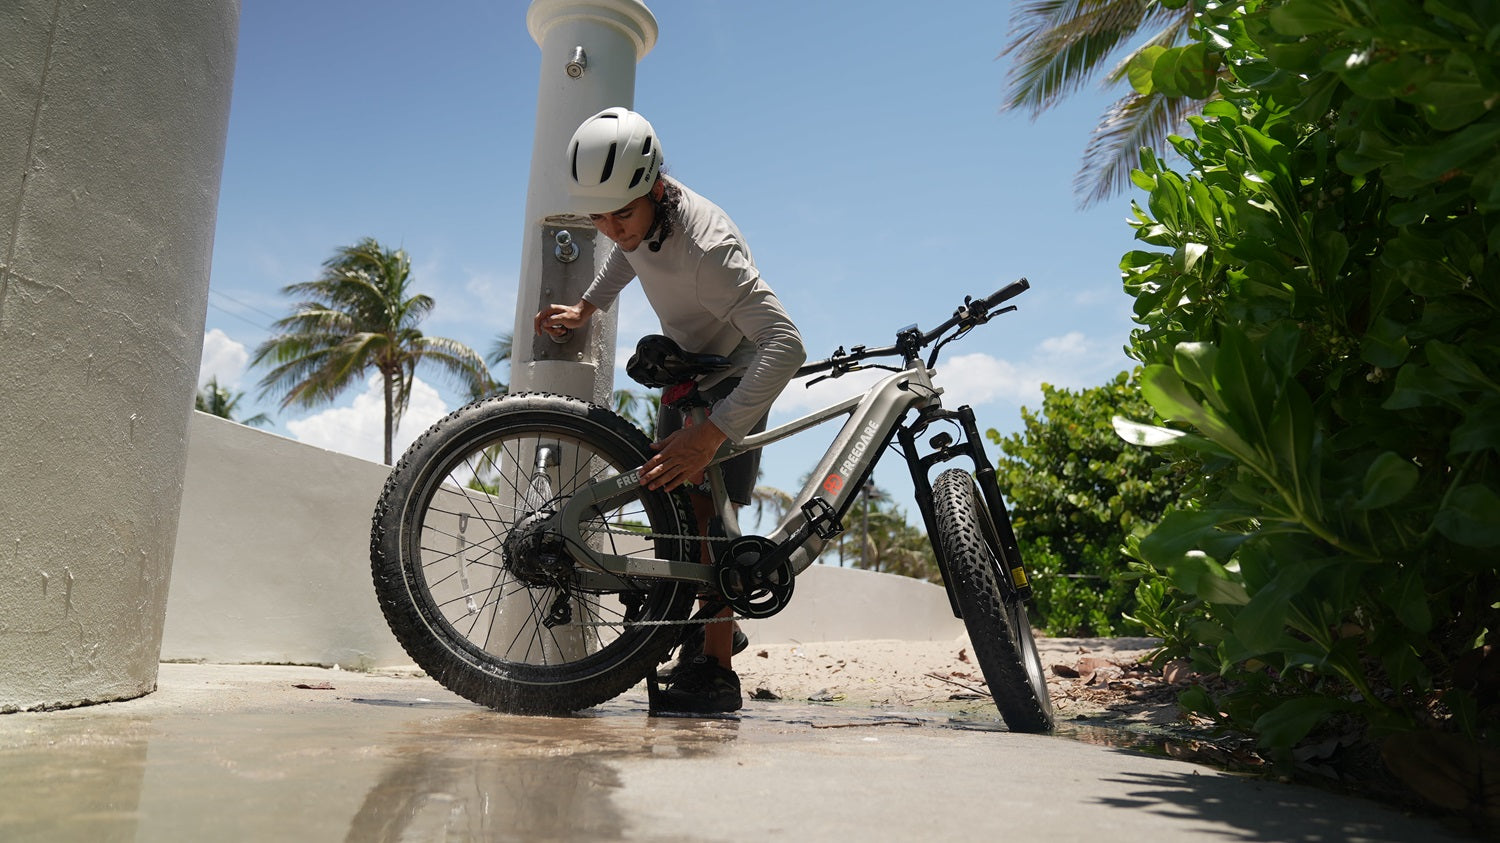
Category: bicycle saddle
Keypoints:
(660, 362)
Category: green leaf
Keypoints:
(1266, 154)
(1182, 532)
(1140, 70)
(1194, 361)
(1196, 699)
(1291, 436)
(1198, 71)
(1479, 431)
(1288, 723)
(1422, 386)
(1188, 256)
(1454, 152)
(1389, 479)
(1199, 575)
(1169, 396)
(1452, 360)
(1147, 435)
(1164, 73)
(1471, 516)
(1307, 17)
(1385, 344)
(1409, 600)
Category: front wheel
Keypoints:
(483, 598)
(996, 619)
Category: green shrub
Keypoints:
(1075, 492)
(1317, 301)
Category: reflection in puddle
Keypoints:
(88, 787)
(487, 776)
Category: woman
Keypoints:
(701, 280)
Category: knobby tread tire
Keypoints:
(417, 617)
(998, 629)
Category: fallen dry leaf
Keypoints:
(1178, 672)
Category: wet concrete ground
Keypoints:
(242, 753)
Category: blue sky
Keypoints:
(864, 156)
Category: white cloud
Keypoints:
(1071, 344)
(358, 429)
(977, 379)
(799, 399)
(223, 358)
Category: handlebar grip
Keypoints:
(1007, 293)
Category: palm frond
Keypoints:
(459, 362)
(1059, 45)
(1114, 147)
(502, 349)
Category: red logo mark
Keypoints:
(833, 484)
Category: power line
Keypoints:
(244, 304)
(238, 316)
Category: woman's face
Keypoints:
(628, 226)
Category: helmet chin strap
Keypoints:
(656, 228)
(659, 226)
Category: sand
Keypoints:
(1088, 678)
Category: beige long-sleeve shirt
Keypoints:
(710, 298)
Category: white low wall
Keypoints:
(272, 565)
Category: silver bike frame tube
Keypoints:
(843, 469)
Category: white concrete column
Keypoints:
(111, 145)
(589, 53)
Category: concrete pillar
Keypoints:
(111, 145)
(589, 53)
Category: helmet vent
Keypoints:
(609, 165)
(646, 146)
(636, 179)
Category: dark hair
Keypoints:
(666, 208)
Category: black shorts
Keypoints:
(741, 472)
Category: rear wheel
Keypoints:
(996, 619)
(494, 610)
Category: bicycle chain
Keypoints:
(685, 622)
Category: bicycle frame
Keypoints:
(874, 422)
(843, 470)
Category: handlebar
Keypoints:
(910, 340)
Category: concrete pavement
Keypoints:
(243, 753)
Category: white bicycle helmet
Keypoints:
(613, 158)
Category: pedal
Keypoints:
(821, 518)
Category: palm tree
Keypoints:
(360, 314)
(217, 400)
(1061, 44)
(499, 356)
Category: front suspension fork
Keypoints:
(1016, 580)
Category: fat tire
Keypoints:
(999, 630)
(432, 628)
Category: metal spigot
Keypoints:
(578, 63)
(567, 250)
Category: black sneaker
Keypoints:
(692, 647)
(702, 687)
